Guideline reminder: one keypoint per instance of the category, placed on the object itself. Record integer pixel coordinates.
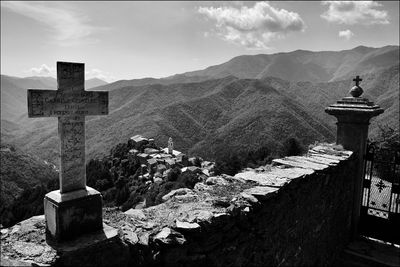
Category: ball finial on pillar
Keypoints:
(356, 90)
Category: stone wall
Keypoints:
(297, 212)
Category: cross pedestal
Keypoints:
(75, 209)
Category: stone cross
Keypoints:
(357, 80)
(70, 104)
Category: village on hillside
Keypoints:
(156, 163)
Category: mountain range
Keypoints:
(244, 103)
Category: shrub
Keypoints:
(292, 147)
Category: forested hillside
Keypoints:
(233, 107)
(24, 181)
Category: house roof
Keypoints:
(151, 150)
(151, 161)
(138, 138)
(174, 152)
(170, 161)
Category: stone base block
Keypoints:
(72, 214)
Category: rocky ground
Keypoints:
(144, 233)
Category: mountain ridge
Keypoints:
(343, 72)
(204, 113)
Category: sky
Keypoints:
(131, 40)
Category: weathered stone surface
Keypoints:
(177, 192)
(265, 178)
(70, 103)
(144, 239)
(170, 237)
(290, 173)
(330, 149)
(262, 192)
(25, 245)
(249, 197)
(131, 237)
(136, 213)
(337, 158)
(295, 162)
(328, 161)
(309, 160)
(232, 179)
(72, 167)
(200, 187)
(216, 180)
(106, 234)
(74, 213)
(70, 99)
(187, 225)
(199, 216)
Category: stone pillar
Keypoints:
(353, 114)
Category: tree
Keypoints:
(386, 145)
(228, 164)
(97, 170)
(197, 162)
(173, 174)
(189, 179)
(120, 151)
(292, 147)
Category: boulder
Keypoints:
(136, 213)
(177, 192)
(216, 181)
(186, 225)
(168, 236)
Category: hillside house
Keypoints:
(151, 151)
(143, 158)
(138, 141)
(174, 153)
(151, 165)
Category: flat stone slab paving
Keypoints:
(367, 252)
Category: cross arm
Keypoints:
(51, 103)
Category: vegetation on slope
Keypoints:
(24, 181)
(118, 177)
(210, 115)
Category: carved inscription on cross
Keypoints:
(70, 103)
(357, 80)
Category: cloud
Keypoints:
(43, 71)
(96, 73)
(355, 12)
(346, 34)
(68, 26)
(253, 27)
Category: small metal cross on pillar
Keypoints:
(357, 80)
(356, 90)
(70, 103)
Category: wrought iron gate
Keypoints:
(380, 208)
